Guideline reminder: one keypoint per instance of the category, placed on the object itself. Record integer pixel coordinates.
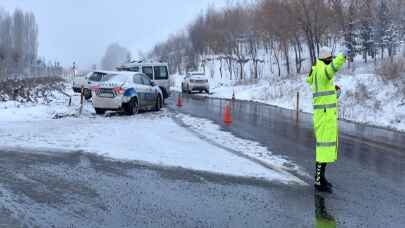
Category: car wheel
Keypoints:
(132, 107)
(100, 111)
(158, 104)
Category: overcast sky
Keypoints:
(80, 30)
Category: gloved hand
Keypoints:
(346, 52)
(338, 91)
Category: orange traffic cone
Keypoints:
(179, 102)
(227, 114)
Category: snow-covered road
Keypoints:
(154, 138)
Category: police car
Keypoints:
(126, 91)
(158, 72)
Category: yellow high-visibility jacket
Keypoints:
(321, 80)
(322, 222)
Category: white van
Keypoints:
(158, 72)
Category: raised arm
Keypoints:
(335, 66)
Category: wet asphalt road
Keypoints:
(47, 189)
(53, 189)
(369, 177)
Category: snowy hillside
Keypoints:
(365, 97)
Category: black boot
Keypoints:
(323, 178)
(320, 184)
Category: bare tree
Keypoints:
(114, 56)
(18, 43)
(280, 30)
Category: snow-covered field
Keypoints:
(16, 111)
(148, 137)
(365, 98)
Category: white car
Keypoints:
(128, 92)
(88, 81)
(195, 81)
(78, 83)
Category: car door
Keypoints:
(140, 89)
(161, 77)
(148, 71)
(150, 93)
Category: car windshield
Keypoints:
(114, 78)
(133, 69)
(100, 77)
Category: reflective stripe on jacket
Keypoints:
(325, 104)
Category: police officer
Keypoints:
(321, 80)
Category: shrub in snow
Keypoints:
(393, 70)
(361, 94)
(31, 89)
(377, 105)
